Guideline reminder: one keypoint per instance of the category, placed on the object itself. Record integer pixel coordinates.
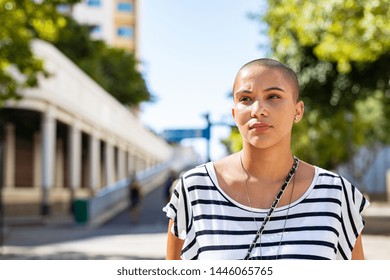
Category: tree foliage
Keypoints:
(23, 20)
(340, 50)
(114, 69)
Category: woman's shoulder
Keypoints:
(226, 168)
(312, 176)
(311, 169)
(224, 165)
(330, 177)
(196, 173)
(327, 173)
(226, 162)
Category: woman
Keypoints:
(262, 202)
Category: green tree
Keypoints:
(339, 48)
(341, 52)
(114, 69)
(22, 21)
(125, 83)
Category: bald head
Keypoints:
(274, 64)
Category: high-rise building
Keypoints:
(114, 21)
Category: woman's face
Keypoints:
(265, 106)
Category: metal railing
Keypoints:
(114, 198)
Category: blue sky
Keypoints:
(190, 52)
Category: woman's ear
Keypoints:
(299, 110)
(234, 116)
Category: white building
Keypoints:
(70, 139)
(114, 21)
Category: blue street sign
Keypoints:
(176, 135)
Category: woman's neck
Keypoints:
(267, 164)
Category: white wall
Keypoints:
(77, 97)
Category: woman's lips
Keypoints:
(259, 127)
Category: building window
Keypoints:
(94, 3)
(125, 7)
(125, 32)
(96, 30)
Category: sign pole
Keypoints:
(207, 136)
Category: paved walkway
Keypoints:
(103, 245)
(123, 239)
(120, 244)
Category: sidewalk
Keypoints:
(124, 241)
(377, 218)
(69, 242)
(133, 246)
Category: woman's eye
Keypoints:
(244, 99)
(273, 96)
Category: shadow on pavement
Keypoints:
(72, 256)
(151, 219)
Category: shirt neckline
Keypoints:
(212, 173)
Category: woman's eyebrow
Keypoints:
(243, 91)
(274, 88)
(248, 91)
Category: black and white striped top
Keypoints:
(323, 224)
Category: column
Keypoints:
(74, 161)
(48, 157)
(37, 160)
(74, 153)
(137, 166)
(94, 161)
(388, 185)
(141, 164)
(109, 163)
(131, 163)
(9, 156)
(121, 164)
(60, 163)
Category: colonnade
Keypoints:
(69, 138)
(77, 164)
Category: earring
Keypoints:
(295, 118)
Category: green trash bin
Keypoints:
(80, 208)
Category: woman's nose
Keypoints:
(258, 109)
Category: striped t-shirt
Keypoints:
(323, 224)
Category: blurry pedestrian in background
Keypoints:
(172, 177)
(134, 198)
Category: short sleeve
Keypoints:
(179, 210)
(353, 204)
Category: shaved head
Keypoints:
(274, 64)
